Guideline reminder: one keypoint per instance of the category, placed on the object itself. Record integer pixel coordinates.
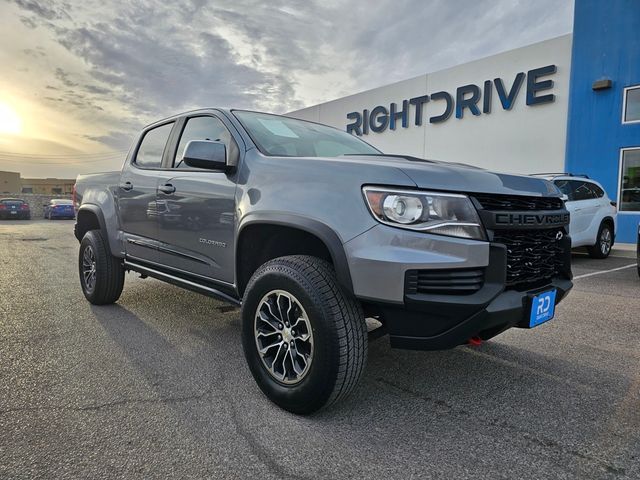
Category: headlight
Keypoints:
(432, 212)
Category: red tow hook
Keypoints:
(475, 341)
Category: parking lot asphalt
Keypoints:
(156, 386)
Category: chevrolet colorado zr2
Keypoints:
(311, 230)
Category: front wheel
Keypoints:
(101, 274)
(304, 338)
(604, 242)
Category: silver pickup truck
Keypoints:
(311, 230)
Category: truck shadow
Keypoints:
(190, 356)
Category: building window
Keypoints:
(56, 190)
(629, 180)
(631, 105)
(27, 190)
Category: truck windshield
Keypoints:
(279, 136)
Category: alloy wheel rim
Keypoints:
(283, 337)
(605, 241)
(89, 268)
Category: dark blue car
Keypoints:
(59, 208)
(14, 208)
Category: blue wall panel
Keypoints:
(606, 44)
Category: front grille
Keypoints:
(507, 202)
(461, 281)
(533, 256)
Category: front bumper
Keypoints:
(441, 321)
(438, 322)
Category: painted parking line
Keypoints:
(604, 271)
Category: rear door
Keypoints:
(196, 207)
(137, 194)
(590, 207)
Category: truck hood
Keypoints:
(456, 177)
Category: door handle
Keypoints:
(167, 188)
(126, 186)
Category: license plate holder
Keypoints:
(542, 307)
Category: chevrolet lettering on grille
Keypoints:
(522, 219)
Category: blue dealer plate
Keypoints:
(543, 307)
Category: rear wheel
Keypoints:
(304, 338)
(604, 242)
(101, 274)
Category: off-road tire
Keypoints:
(109, 271)
(338, 326)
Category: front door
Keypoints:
(196, 209)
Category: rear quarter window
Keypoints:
(597, 191)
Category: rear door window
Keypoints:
(566, 188)
(152, 147)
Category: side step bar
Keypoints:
(181, 282)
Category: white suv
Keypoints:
(593, 215)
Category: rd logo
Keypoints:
(542, 308)
(544, 304)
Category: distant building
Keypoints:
(11, 182)
(48, 186)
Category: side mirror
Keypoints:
(205, 154)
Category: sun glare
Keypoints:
(10, 121)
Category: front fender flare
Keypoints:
(315, 227)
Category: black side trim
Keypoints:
(141, 243)
(190, 284)
(219, 284)
(315, 227)
(181, 254)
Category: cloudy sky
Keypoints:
(79, 78)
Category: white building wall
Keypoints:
(525, 139)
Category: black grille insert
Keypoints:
(461, 281)
(533, 256)
(507, 202)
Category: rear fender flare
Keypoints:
(109, 229)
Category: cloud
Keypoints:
(43, 9)
(64, 78)
(131, 62)
(117, 140)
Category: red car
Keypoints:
(14, 208)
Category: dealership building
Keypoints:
(568, 104)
